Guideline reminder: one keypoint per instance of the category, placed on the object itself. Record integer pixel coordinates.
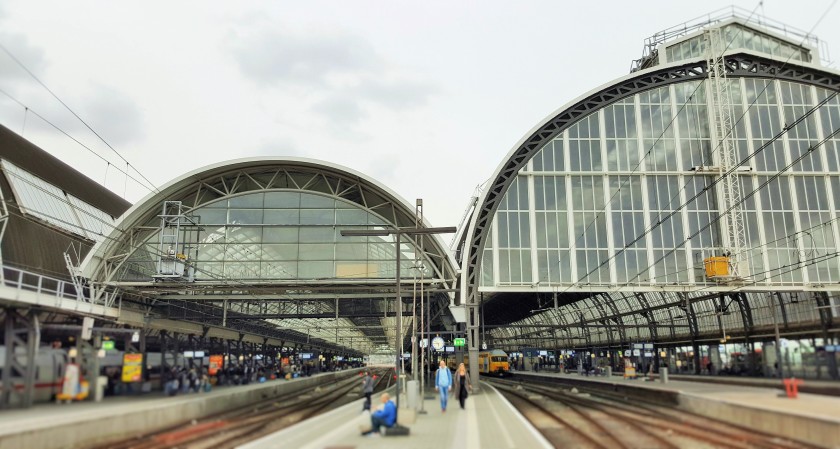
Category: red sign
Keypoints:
(215, 364)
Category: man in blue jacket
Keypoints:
(385, 416)
(443, 384)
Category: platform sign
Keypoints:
(648, 354)
(215, 364)
(132, 370)
(450, 349)
(108, 345)
(637, 352)
(830, 348)
(460, 341)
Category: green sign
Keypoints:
(108, 345)
(460, 341)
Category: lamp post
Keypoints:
(398, 233)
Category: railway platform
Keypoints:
(811, 418)
(92, 424)
(488, 420)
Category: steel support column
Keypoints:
(21, 336)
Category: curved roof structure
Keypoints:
(257, 242)
(598, 222)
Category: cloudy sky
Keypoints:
(426, 97)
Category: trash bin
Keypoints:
(99, 393)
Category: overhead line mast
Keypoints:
(720, 104)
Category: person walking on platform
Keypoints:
(462, 384)
(443, 384)
(367, 389)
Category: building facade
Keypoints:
(607, 220)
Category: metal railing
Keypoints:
(48, 286)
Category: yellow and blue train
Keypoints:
(492, 363)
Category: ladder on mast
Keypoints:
(720, 102)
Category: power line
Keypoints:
(750, 195)
(128, 175)
(730, 131)
(689, 98)
(229, 281)
(768, 244)
(18, 62)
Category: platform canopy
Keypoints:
(255, 245)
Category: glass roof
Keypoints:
(43, 200)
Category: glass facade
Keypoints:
(47, 202)
(628, 194)
(738, 36)
(282, 234)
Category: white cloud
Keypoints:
(114, 115)
(32, 57)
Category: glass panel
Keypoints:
(43, 200)
(282, 200)
(282, 216)
(249, 201)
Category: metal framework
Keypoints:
(259, 304)
(736, 66)
(720, 104)
(21, 335)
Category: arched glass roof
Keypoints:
(596, 225)
(259, 241)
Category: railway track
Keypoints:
(570, 419)
(235, 427)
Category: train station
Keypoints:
(654, 264)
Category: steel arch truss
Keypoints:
(269, 307)
(737, 65)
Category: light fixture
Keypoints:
(72, 353)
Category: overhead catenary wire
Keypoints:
(149, 187)
(38, 80)
(689, 98)
(767, 244)
(115, 240)
(150, 248)
(730, 131)
(749, 195)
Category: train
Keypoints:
(49, 370)
(492, 363)
(50, 364)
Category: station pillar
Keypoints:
(20, 337)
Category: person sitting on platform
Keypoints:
(386, 415)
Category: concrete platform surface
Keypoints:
(488, 421)
(85, 424)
